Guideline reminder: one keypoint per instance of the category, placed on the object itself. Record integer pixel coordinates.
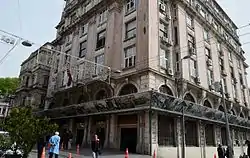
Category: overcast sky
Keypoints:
(36, 20)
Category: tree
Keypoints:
(25, 129)
(8, 85)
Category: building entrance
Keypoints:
(128, 139)
(79, 136)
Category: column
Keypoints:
(202, 140)
(107, 126)
(85, 137)
(89, 130)
(178, 136)
(140, 134)
(112, 131)
(151, 133)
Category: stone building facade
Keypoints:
(34, 76)
(123, 68)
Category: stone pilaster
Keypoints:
(89, 130)
(85, 137)
(112, 131)
(140, 129)
(107, 131)
(178, 136)
(202, 137)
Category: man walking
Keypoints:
(54, 145)
(95, 145)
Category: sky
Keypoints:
(35, 20)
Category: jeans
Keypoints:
(95, 154)
(51, 155)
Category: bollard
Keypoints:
(126, 153)
(43, 153)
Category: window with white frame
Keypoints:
(84, 29)
(210, 77)
(130, 29)
(163, 29)
(189, 21)
(130, 5)
(103, 16)
(129, 56)
(206, 35)
(193, 66)
(230, 56)
(203, 13)
(99, 60)
(83, 49)
(164, 55)
(101, 38)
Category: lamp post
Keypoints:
(219, 88)
(182, 112)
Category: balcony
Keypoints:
(149, 100)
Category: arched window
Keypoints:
(166, 89)
(189, 97)
(207, 104)
(221, 108)
(128, 89)
(102, 94)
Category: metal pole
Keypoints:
(229, 140)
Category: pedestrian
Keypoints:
(221, 152)
(95, 145)
(54, 145)
(40, 145)
(248, 147)
(66, 139)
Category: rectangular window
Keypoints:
(232, 72)
(241, 79)
(208, 53)
(103, 16)
(189, 21)
(239, 63)
(163, 29)
(101, 39)
(83, 49)
(221, 62)
(67, 57)
(176, 35)
(84, 29)
(45, 81)
(191, 133)
(130, 5)
(193, 66)
(206, 35)
(166, 136)
(209, 134)
(191, 42)
(225, 85)
(99, 60)
(130, 29)
(164, 54)
(129, 56)
(210, 77)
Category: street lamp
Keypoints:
(219, 88)
(183, 115)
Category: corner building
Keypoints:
(126, 64)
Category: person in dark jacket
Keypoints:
(221, 152)
(40, 145)
(95, 146)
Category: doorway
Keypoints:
(79, 136)
(101, 135)
(128, 139)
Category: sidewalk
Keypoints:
(85, 152)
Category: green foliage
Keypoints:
(5, 142)
(8, 85)
(25, 129)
